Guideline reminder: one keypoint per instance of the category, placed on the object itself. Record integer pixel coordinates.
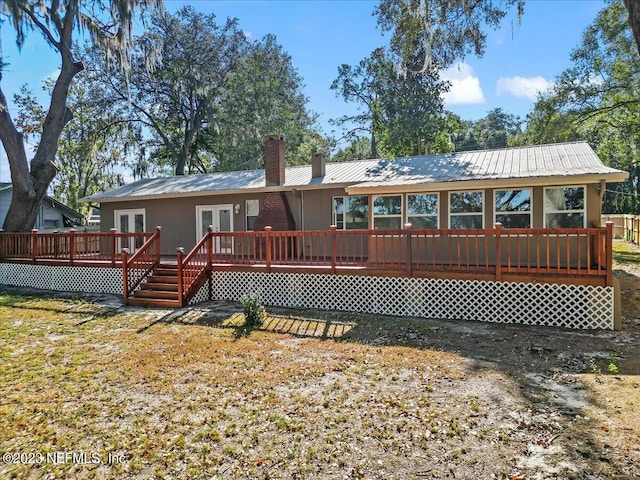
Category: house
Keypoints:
(53, 215)
(543, 186)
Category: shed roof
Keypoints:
(542, 163)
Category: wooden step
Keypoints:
(166, 272)
(153, 302)
(162, 279)
(167, 287)
(155, 294)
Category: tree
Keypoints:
(60, 23)
(597, 99)
(182, 95)
(402, 114)
(91, 145)
(492, 131)
(427, 33)
(264, 95)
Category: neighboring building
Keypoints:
(553, 186)
(53, 215)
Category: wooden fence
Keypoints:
(626, 227)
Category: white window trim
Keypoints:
(466, 214)
(530, 213)
(437, 214)
(344, 212)
(584, 206)
(401, 215)
(246, 213)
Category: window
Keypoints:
(422, 210)
(251, 208)
(387, 212)
(351, 213)
(513, 208)
(564, 207)
(51, 223)
(466, 209)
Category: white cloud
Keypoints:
(465, 87)
(522, 87)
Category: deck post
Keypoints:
(498, 228)
(209, 246)
(179, 254)
(158, 230)
(267, 230)
(113, 246)
(125, 274)
(407, 228)
(34, 244)
(334, 248)
(609, 252)
(72, 245)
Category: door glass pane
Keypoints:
(225, 220)
(207, 219)
(139, 223)
(124, 223)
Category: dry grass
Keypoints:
(154, 394)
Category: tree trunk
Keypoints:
(30, 183)
(633, 7)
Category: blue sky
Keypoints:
(320, 35)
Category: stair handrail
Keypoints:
(195, 265)
(140, 265)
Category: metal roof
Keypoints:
(541, 161)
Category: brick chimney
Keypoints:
(275, 210)
(274, 160)
(318, 166)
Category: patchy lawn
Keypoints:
(89, 389)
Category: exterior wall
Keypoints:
(311, 209)
(177, 216)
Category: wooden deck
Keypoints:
(574, 256)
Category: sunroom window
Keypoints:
(466, 209)
(387, 212)
(351, 212)
(513, 208)
(422, 210)
(564, 207)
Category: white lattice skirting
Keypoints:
(568, 306)
(62, 278)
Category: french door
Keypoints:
(220, 218)
(129, 221)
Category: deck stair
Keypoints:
(160, 289)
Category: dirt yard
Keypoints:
(89, 389)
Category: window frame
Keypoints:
(466, 214)
(436, 215)
(531, 205)
(246, 213)
(583, 210)
(344, 212)
(400, 215)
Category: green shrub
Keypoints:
(254, 312)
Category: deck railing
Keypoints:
(583, 252)
(193, 268)
(137, 267)
(71, 247)
(497, 252)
